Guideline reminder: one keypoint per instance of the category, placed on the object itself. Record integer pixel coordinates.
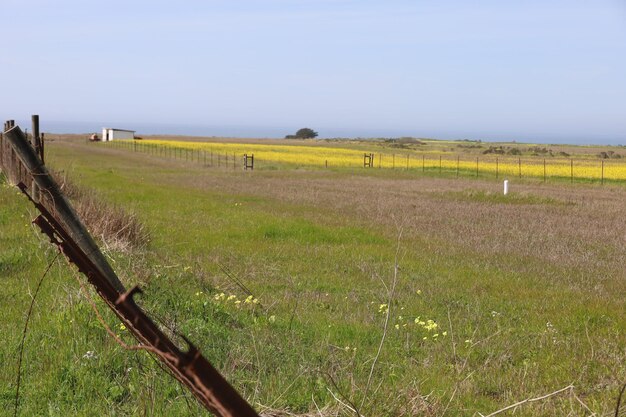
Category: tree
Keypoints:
(304, 133)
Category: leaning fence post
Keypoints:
(60, 223)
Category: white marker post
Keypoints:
(506, 187)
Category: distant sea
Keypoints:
(273, 132)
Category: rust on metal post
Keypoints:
(61, 224)
(25, 167)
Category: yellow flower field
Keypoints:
(446, 162)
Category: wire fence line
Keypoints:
(444, 164)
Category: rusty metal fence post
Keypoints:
(23, 168)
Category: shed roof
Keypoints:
(119, 130)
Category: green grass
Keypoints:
(388, 148)
(517, 326)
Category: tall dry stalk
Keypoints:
(391, 290)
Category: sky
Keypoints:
(548, 71)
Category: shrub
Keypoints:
(304, 133)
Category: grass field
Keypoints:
(456, 159)
(493, 300)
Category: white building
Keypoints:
(109, 133)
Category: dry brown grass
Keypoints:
(116, 228)
(572, 227)
(568, 226)
(558, 236)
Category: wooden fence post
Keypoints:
(43, 147)
(602, 175)
(248, 161)
(36, 142)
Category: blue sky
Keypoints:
(530, 70)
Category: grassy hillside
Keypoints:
(494, 299)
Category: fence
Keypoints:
(439, 164)
(205, 157)
(23, 166)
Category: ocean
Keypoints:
(275, 132)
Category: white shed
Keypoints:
(109, 133)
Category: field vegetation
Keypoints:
(320, 291)
(442, 157)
